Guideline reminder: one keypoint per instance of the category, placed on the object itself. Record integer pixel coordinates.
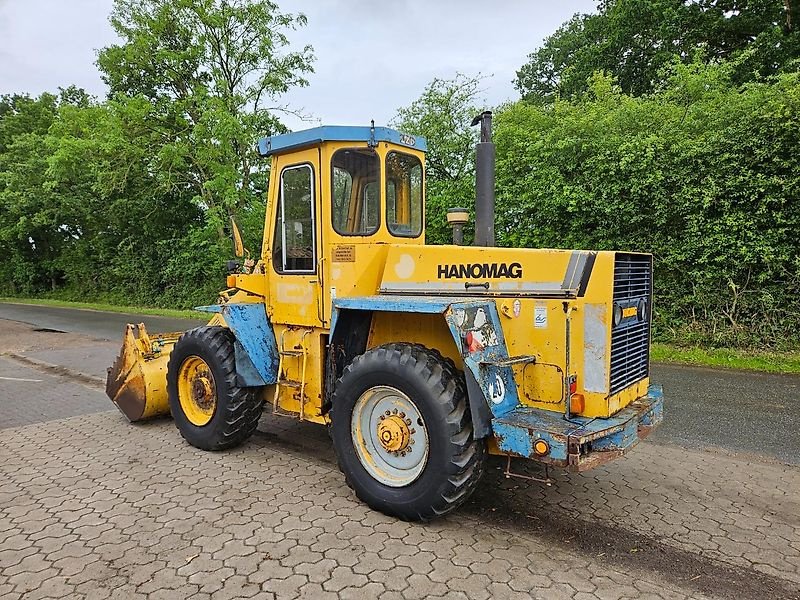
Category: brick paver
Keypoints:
(740, 511)
(43, 397)
(93, 507)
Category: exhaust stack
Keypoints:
(484, 182)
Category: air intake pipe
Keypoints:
(484, 182)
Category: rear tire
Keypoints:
(210, 410)
(414, 483)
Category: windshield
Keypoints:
(356, 201)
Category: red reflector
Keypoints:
(573, 386)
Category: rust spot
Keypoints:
(131, 399)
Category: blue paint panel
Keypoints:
(336, 133)
(516, 431)
(416, 304)
(406, 304)
(251, 326)
(246, 373)
(481, 318)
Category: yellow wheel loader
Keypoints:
(421, 359)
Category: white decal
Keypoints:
(497, 389)
(404, 268)
(517, 308)
(540, 316)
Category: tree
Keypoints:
(443, 114)
(558, 68)
(214, 71)
(32, 232)
(634, 40)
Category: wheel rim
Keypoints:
(197, 391)
(389, 436)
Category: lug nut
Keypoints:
(408, 421)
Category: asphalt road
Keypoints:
(738, 412)
(94, 323)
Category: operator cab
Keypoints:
(371, 181)
(335, 193)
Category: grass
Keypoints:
(159, 312)
(770, 362)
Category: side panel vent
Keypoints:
(630, 340)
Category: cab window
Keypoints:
(404, 194)
(356, 192)
(294, 248)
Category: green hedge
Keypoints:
(702, 174)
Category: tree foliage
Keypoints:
(654, 125)
(704, 174)
(213, 71)
(634, 40)
(128, 199)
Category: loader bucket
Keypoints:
(137, 381)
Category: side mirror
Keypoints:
(238, 245)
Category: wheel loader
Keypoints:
(421, 359)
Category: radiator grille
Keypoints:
(630, 341)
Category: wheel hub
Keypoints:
(394, 433)
(202, 392)
(389, 436)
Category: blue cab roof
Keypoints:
(277, 144)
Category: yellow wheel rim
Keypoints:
(197, 392)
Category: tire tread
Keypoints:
(467, 456)
(242, 405)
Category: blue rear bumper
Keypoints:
(580, 443)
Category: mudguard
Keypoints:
(460, 317)
(256, 347)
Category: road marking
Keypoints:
(21, 379)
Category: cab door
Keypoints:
(294, 251)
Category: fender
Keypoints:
(350, 323)
(256, 349)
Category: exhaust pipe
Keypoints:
(484, 182)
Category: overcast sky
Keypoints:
(373, 56)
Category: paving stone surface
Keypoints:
(94, 507)
(31, 396)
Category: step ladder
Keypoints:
(299, 352)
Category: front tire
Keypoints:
(210, 410)
(402, 432)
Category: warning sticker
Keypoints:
(344, 253)
(540, 316)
